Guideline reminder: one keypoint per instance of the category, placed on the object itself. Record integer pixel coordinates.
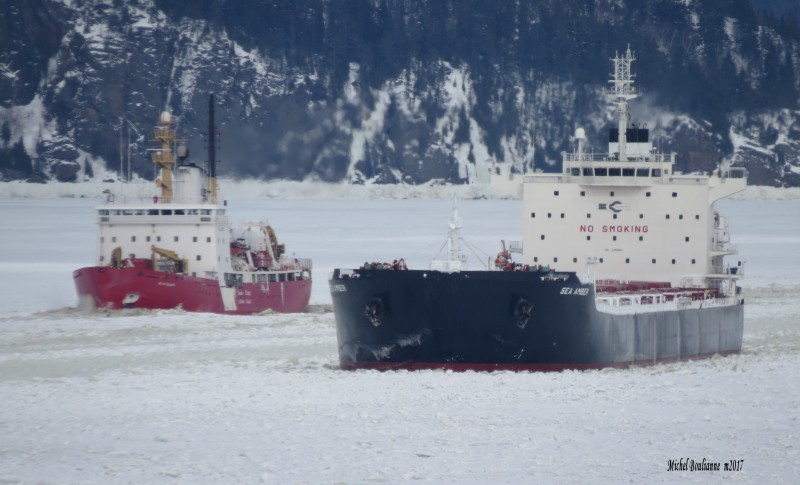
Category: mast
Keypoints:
(455, 260)
(164, 157)
(212, 152)
(453, 236)
(622, 90)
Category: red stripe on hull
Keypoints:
(108, 287)
(490, 367)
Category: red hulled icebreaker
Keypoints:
(178, 250)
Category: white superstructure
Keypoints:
(626, 215)
(198, 233)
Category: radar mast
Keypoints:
(622, 90)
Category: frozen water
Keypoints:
(173, 397)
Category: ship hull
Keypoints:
(105, 287)
(489, 320)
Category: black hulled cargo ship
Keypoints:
(622, 263)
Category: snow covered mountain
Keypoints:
(382, 91)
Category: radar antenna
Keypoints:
(622, 90)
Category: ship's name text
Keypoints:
(612, 228)
(574, 291)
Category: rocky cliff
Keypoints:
(385, 91)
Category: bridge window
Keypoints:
(656, 172)
(166, 212)
(628, 172)
(602, 172)
(642, 172)
(575, 171)
(614, 172)
(587, 171)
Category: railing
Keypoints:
(447, 266)
(515, 247)
(734, 173)
(304, 263)
(112, 199)
(602, 157)
(612, 305)
(725, 248)
(727, 270)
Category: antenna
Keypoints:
(212, 152)
(622, 90)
